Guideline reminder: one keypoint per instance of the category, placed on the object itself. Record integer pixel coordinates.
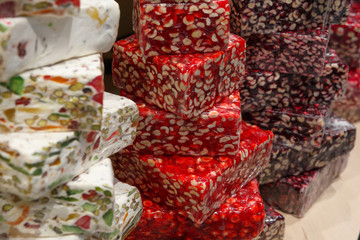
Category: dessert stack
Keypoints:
(292, 80)
(345, 40)
(57, 126)
(194, 160)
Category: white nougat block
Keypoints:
(32, 164)
(31, 42)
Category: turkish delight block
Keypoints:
(288, 52)
(215, 132)
(83, 205)
(339, 139)
(298, 127)
(296, 194)
(14, 8)
(178, 28)
(196, 186)
(255, 17)
(32, 42)
(32, 164)
(66, 96)
(240, 217)
(127, 213)
(265, 90)
(185, 84)
(274, 228)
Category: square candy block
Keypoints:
(215, 132)
(302, 53)
(14, 8)
(196, 186)
(186, 84)
(83, 205)
(300, 127)
(345, 39)
(265, 90)
(32, 42)
(32, 164)
(178, 28)
(240, 217)
(339, 139)
(127, 212)
(66, 96)
(296, 194)
(274, 228)
(257, 17)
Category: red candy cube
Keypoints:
(240, 217)
(196, 186)
(178, 28)
(185, 84)
(215, 132)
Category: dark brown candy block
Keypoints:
(296, 194)
(274, 228)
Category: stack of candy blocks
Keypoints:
(58, 127)
(194, 160)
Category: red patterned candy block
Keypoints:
(185, 84)
(196, 186)
(345, 38)
(240, 217)
(257, 17)
(339, 139)
(296, 194)
(274, 228)
(300, 127)
(265, 90)
(14, 8)
(178, 28)
(288, 52)
(215, 132)
(349, 106)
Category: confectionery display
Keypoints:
(15, 8)
(274, 228)
(296, 194)
(240, 217)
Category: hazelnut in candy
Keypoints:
(196, 186)
(184, 84)
(215, 132)
(296, 194)
(240, 217)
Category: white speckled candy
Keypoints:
(66, 96)
(42, 40)
(127, 212)
(32, 164)
(12, 8)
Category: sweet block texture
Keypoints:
(83, 205)
(288, 52)
(266, 90)
(255, 17)
(300, 127)
(178, 28)
(14, 8)
(215, 132)
(32, 164)
(38, 41)
(274, 228)
(66, 96)
(196, 186)
(127, 213)
(296, 194)
(349, 106)
(240, 217)
(339, 139)
(345, 38)
(185, 84)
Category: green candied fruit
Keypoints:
(72, 229)
(89, 207)
(7, 207)
(2, 219)
(28, 7)
(16, 85)
(3, 28)
(108, 193)
(74, 191)
(39, 215)
(43, 5)
(109, 217)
